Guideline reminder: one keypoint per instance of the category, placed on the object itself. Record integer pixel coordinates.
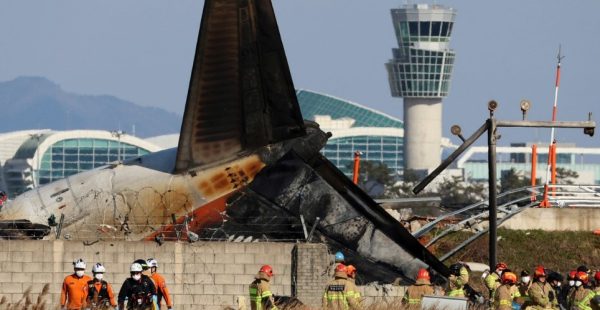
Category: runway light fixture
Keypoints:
(525, 106)
(457, 131)
(492, 106)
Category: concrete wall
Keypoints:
(202, 275)
(574, 219)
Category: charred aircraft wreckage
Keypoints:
(247, 164)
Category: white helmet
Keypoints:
(135, 267)
(152, 262)
(79, 264)
(98, 268)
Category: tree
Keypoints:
(511, 180)
(375, 178)
(456, 193)
(566, 176)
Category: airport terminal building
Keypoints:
(35, 157)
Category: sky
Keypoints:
(142, 51)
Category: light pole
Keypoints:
(490, 125)
(35, 163)
(118, 134)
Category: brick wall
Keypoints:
(202, 275)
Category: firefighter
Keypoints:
(522, 298)
(459, 277)
(506, 292)
(138, 290)
(353, 292)
(99, 292)
(261, 297)
(597, 282)
(72, 295)
(492, 281)
(336, 293)
(541, 293)
(581, 297)
(596, 299)
(568, 290)
(161, 284)
(414, 293)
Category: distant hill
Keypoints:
(38, 103)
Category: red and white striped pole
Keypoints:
(545, 202)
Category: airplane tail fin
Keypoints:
(241, 95)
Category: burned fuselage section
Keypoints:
(247, 166)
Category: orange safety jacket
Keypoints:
(161, 289)
(73, 292)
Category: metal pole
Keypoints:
(533, 170)
(356, 167)
(492, 189)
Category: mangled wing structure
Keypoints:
(241, 94)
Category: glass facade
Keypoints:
(340, 151)
(387, 150)
(312, 104)
(422, 64)
(71, 156)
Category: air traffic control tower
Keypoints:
(420, 73)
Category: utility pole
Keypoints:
(491, 125)
(118, 134)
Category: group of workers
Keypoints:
(144, 289)
(545, 290)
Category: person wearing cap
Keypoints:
(161, 284)
(507, 291)
(353, 292)
(581, 297)
(261, 297)
(522, 298)
(459, 277)
(99, 293)
(414, 293)
(336, 292)
(541, 293)
(73, 293)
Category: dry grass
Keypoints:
(560, 251)
(26, 302)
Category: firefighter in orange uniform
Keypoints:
(73, 293)
(161, 285)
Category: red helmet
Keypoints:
(341, 268)
(267, 269)
(501, 266)
(509, 277)
(572, 274)
(539, 272)
(423, 274)
(597, 277)
(350, 270)
(582, 276)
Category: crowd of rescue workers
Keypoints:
(147, 289)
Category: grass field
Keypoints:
(526, 249)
